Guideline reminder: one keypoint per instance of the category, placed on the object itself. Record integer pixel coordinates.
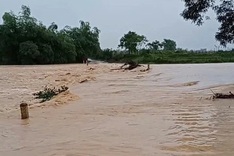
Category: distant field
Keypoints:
(177, 57)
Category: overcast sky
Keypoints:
(156, 19)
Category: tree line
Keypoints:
(132, 42)
(25, 40)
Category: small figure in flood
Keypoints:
(85, 61)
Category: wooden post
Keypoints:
(24, 111)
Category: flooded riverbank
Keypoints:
(166, 111)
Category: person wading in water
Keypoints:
(85, 61)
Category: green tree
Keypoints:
(169, 45)
(106, 54)
(131, 41)
(64, 49)
(195, 10)
(28, 52)
(14, 31)
(46, 54)
(24, 40)
(53, 27)
(85, 39)
(155, 45)
(9, 44)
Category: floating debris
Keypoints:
(222, 96)
(49, 93)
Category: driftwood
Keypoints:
(131, 65)
(128, 66)
(223, 96)
(82, 81)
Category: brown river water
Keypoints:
(166, 111)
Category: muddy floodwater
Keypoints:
(166, 111)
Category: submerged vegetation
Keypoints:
(49, 93)
(25, 40)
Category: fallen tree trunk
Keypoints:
(131, 65)
(223, 96)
